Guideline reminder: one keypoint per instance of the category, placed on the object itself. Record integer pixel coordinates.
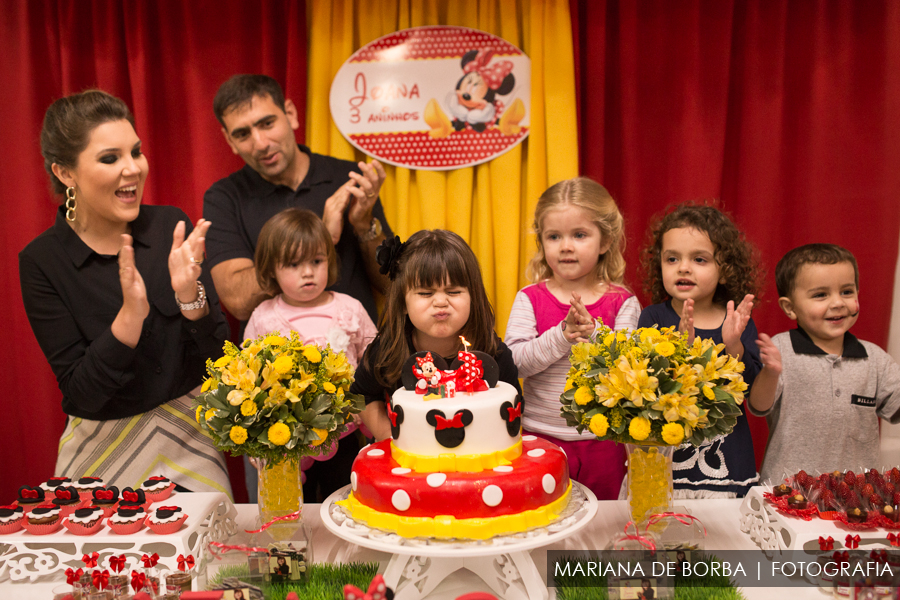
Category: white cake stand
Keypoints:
(418, 565)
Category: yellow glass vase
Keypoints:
(280, 494)
(649, 478)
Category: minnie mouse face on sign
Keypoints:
(475, 101)
(451, 432)
(512, 416)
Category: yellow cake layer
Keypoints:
(451, 463)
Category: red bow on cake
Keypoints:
(185, 563)
(172, 508)
(117, 563)
(852, 541)
(826, 543)
(157, 478)
(63, 494)
(391, 414)
(893, 539)
(150, 561)
(100, 579)
(90, 561)
(29, 494)
(453, 423)
(514, 413)
(130, 496)
(103, 494)
(73, 576)
(376, 590)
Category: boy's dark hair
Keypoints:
(811, 254)
(430, 258)
(737, 258)
(68, 125)
(240, 91)
(294, 234)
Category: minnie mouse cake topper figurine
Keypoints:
(433, 382)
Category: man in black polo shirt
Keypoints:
(258, 123)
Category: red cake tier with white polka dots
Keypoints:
(537, 478)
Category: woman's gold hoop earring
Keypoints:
(70, 204)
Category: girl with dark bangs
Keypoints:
(436, 295)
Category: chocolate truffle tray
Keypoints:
(210, 517)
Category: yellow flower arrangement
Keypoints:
(649, 386)
(276, 396)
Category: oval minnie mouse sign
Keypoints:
(434, 98)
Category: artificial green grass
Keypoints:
(582, 587)
(326, 582)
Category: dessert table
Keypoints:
(720, 517)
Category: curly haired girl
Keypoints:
(702, 275)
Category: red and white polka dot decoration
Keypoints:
(422, 43)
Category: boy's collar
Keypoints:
(803, 344)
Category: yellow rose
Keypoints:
(283, 364)
(329, 387)
(312, 354)
(238, 435)
(672, 433)
(248, 408)
(274, 340)
(199, 412)
(279, 434)
(639, 428)
(209, 414)
(322, 436)
(650, 334)
(583, 395)
(665, 348)
(222, 362)
(599, 425)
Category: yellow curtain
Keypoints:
(490, 205)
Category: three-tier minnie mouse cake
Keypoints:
(457, 466)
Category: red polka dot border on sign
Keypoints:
(459, 149)
(433, 42)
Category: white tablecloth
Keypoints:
(721, 518)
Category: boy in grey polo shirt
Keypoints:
(821, 389)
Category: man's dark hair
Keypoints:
(811, 254)
(241, 89)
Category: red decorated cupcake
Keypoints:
(166, 519)
(85, 521)
(127, 520)
(54, 482)
(11, 518)
(43, 520)
(30, 497)
(158, 488)
(106, 498)
(131, 498)
(86, 485)
(67, 499)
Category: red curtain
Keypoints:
(166, 59)
(785, 112)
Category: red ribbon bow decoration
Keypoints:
(852, 541)
(514, 413)
(893, 539)
(453, 423)
(172, 508)
(826, 543)
(103, 495)
(63, 494)
(391, 414)
(841, 557)
(185, 564)
(150, 561)
(643, 541)
(73, 576)
(138, 581)
(157, 478)
(130, 496)
(879, 555)
(683, 518)
(493, 75)
(117, 563)
(100, 579)
(217, 549)
(31, 494)
(377, 590)
(90, 561)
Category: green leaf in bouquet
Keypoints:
(730, 410)
(260, 397)
(567, 396)
(255, 431)
(571, 420)
(715, 413)
(592, 374)
(659, 364)
(218, 398)
(321, 403)
(594, 411)
(667, 385)
(697, 438)
(218, 423)
(721, 394)
(323, 422)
